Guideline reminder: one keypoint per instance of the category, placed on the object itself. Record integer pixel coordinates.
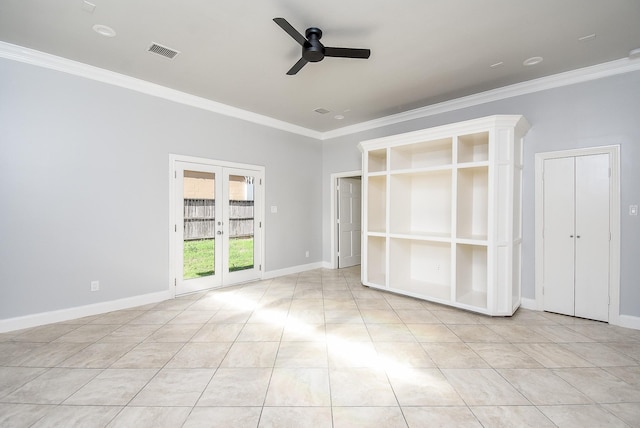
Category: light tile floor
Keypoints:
(318, 349)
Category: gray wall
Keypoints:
(84, 164)
(596, 113)
(84, 187)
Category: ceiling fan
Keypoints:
(313, 50)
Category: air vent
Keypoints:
(321, 110)
(163, 50)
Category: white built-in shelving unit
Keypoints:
(442, 213)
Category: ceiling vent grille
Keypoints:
(163, 50)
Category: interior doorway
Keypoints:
(216, 224)
(346, 219)
(349, 222)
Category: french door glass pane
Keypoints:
(241, 227)
(199, 224)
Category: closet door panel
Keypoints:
(592, 237)
(559, 235)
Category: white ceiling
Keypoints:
(422, 51)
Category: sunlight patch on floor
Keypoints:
(351, 353)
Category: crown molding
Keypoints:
(580, 75)
(42, 59)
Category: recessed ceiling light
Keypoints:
(497, 64)
(634, 53)
(104, 30)
(338, 117)
(532, 61)
(321, 110)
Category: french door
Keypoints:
(217, 225)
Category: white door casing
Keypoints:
(349, 221)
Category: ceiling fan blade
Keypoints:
(284, 24)
(297, 66)
(347, 52)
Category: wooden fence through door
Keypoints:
(200, 221)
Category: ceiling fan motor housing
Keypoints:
(313, 50)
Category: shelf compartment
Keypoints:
(377, 160)
(377, 261)
(422, 268)
(420, 203)
(473, 147)
(377, 204)
(422, 155)
(473, 203)
(471, 275)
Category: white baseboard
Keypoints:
(629, 321)
(292, 270)
(34, 320)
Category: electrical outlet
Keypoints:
(633, 210)
(95, 285)
(306, 254)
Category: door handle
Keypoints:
(219, 232)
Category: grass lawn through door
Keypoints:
(199, 256)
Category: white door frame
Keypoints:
(614, 218)
(173, 158)
(334, 214)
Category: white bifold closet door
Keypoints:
(577, 236)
